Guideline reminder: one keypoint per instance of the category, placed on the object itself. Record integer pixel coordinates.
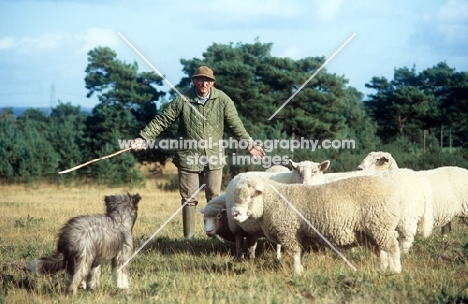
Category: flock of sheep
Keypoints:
(378, 205)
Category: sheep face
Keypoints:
(248, 201)
(308, 172)
(378, 161)
(212, 222)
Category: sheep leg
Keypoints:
(406, 235)
(278, 251)
(446, 229)
(465, 220)
(383, 264)
(298, 268)
(251, 246)
(389, 252)
(394, 261)
(297, 258)
(239, 239)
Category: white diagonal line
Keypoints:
(313, 75)
(160, 74)
(160, 228)
(311, 226)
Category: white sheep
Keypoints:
(345, 212)
(310, 172)
(376, 161)
(215, 220)
(301, 171)
(216, 223)
(277, 168)
(450, 192)
(449, 187)
(417, 215)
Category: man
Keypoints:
(203, 115)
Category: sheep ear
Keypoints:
(324, 165)
(201, 210)
(223, 212)
(292, 164)
(259, 188)
(384, 159)
(288, 164)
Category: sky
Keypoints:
(44, 44)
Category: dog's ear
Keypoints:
(107, 200)
(136, 199)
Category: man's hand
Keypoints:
(138, 144)
(255, 150)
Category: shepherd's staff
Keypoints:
(95, 160)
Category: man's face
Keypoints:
(203, 85)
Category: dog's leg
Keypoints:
(75, 281)
(83, 284)
(80, 272)
(121, 277)
(94, 278)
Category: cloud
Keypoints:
(83, 41)
(7, 43)
(98, 37)
(446, 29)
(327, 10)
(452, 21)
(245, 14)
(33, 44)
(293, 52)
(48, 41)
(27, 45)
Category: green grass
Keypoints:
(170, 269)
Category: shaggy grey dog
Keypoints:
(86, 241)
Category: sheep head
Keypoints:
(309, 172)
(248, 200)
(378, 161)
(213, 215)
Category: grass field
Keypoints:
(170, 269)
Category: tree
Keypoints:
(118, 170)
(120, 82)
(67, 125)
(456, 107)
(260, 83)
(127, 103)
(401, 107)
(26, 155)
(127, 100)
(449, 89)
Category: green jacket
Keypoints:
(220, 113)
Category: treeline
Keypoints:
(421, 118)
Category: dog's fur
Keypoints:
(85, 242)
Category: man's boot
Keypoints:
(188, 220)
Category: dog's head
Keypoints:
(123, 206)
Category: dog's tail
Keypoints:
(47, 265)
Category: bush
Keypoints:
(170, 184)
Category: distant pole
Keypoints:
(52, 96)
(441, 136)
(424, 141)
(450, 140)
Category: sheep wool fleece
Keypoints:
(220, 113)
